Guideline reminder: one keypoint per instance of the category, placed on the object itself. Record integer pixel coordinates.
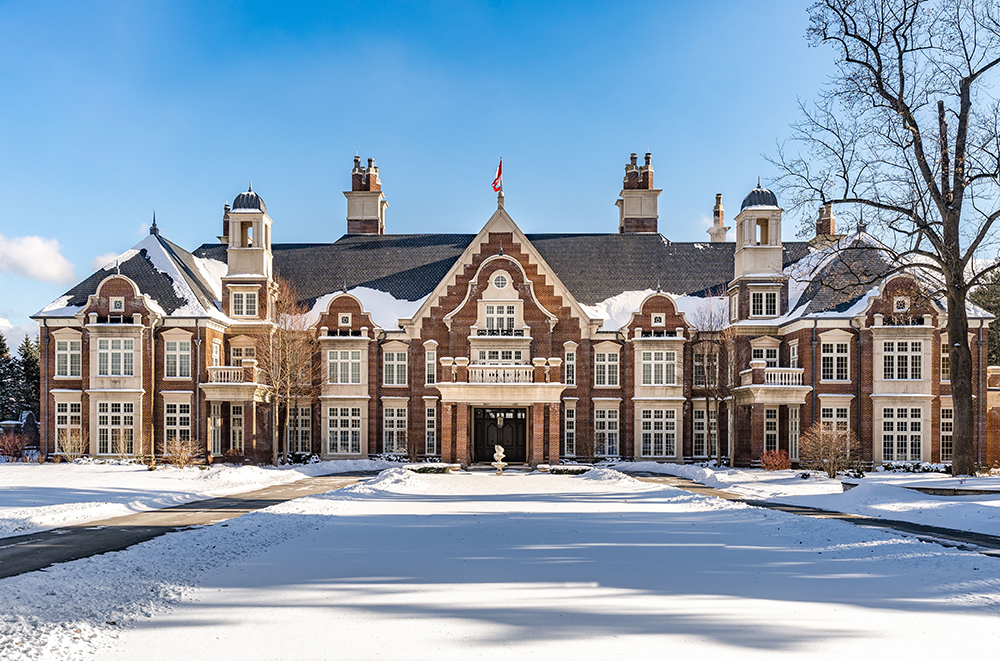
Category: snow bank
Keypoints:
(391, 480)
(609, 476)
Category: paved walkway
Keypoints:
(950, 537)
(25, 553)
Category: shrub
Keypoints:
(829, 449)
(12, 446)
(72, 447)
(179, 453)
(775, 460)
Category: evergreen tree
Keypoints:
(9, 382)
(987, 296)
(28, 390)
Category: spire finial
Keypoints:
(758, 181)
(250, 187)
(500, 200)
(501, 250)
(153, 229)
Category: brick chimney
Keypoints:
(366, 204)
(637, 202)
(826, 228)
(718, 230)
(224, 239)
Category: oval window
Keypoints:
(500, 282)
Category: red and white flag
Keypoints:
(498, 180)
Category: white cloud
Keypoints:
(34, 257)
(15, 334)
(99, 262)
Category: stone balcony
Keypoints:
(231, 383)
(492, 384)
(771, 385)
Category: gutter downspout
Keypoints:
(980, 403)
(197, 384)
(858, 376)
(814, 342)
(152, 390)
(45, 392)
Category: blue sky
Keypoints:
(112, 109)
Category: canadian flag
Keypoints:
(498, 180)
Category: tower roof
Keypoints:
(759, 197)
(249, 201)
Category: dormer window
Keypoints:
(244, 304)
(764, 304)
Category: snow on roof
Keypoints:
(212, 272)
(60, 308)
(617, 311)
(163, 262)
(385, 309)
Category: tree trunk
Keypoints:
(963, 404)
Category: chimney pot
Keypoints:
(649, 158)
(371, 163)
(634, 158)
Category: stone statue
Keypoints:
(498, 455)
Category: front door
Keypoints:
(505, 427)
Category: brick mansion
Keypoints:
(556, 346)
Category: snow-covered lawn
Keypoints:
(463, 566)
(878, 495)
(37, 496)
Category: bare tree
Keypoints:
(829, 448)
(905, 140)
(285, 357)
(712, 335)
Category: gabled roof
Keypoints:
(176, 280)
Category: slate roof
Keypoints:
(845, 278)
(594, 267)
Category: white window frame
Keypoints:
(569, 431)
(430, 431)
(298, 435)
(703, 365)
(705, 431)
(244, 303)
(115, 428)
(909, 361)
(569, 366)
(658, 432)
(236, 440)
(734, 306)
(606, 369)
(906, 422)
(394, 368)
(835, 416)
(237, 354)
(770, 429)
(215, 428)
(394, 430)
(177, 421)
(794, 429)
(177, 359)
(945, 362)
(768, 354)
(116, 357)
(835, 361)
(659, 368)
(344, 319)
(430, 366)
(763, 304)
(343, 366)
(606, 432)
(69, 359)
(500, 316)
(947, 432)
(69, 424)
(343, 431)
(216, 353)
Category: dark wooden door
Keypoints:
(505, 427)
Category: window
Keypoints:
(606, 369)
(500, 282)
(658, 319)
(299, 432)
(430, 435)
(570, 367)
(834, 418)
(343, 367)
(706, 369)
(237, 354)
(177, 359)
(770, 356)
(117, 304)
(945, 362)
(834, 361)
(394, 431)
(236, 427)
(706, 432)
(115, 357)
(902, 436)
(947, 428)
(658, 368)
(659, 432)
(793, 433)
(215, 428)
(902, 360)
(770, 430)
(734, 307)
(569, 433)
(68, 358)
(344, 430)
(430, 366)
(244, 304)
(177, 422)
(114, 427)
(394, 368)
(68, 434)
(764, 304)
(496, 356)
(216, 354)
(606, 431)
(900, 304)
(344, 319)
(500, 317)
(793, 355)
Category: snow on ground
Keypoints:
(878, 495)
(36, 496)
(461, 566)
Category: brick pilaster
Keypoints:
(462, 434)
(536, 449)
(447, 438)
(553, 441)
